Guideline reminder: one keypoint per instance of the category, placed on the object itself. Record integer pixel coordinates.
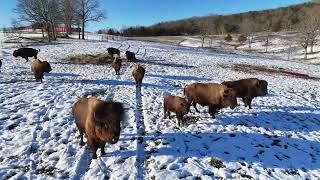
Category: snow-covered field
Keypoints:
(278, 139)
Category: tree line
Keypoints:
(47, 14)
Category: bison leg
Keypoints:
(194, 104)
(102, 145)
(35, 57)
(212, 111)
(93, 147)
(169, 114)
(164, 112)
(27, 59)
(81, 140)
(247, 101)
(180, 119)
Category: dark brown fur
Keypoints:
(216, 96)
(99, 121)
(248, 89)
(177, 105)
(116, 64)
(131, 56)
(138, 74)
(39, 68)
(112, 51)
(26, 53)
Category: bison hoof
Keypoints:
(94, 156)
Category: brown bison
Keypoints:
(26, 53)
(39, 68)
(138, 74)
(177, 105)
(116, 64)
(248, 89)
(216, 96)
(131, 56)
(99, 121)
(112, 51)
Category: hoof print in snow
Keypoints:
(217, 163)
(12, 126)
(246, 176)
(232, 135)
(276, 142)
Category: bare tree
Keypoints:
(39, 11)
(247, 27)
(88, 11)
(68, 14)
(268, 30)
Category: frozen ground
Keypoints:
(277, 139)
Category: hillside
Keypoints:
(277, 139)
(273, 19)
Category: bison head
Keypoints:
(229, 98)
(107, 119)
(47, 68)
(185, 107)
(15, 53)
(262, 88)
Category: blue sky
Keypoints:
(122, 13)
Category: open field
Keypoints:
(278, 139)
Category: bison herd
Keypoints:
(100, 120)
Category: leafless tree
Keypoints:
(68, 14)
(247, 27)
(268, 30)
(39, 11)
(88, 11)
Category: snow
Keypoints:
(277, 139)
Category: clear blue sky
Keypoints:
(122, 13)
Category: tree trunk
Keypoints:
(305, 52)
(202, 44)
(83, 29)
(267, 44)
(48, 32)
(311, 46)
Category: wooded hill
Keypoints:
(267, 20)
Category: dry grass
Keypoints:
(89, 58)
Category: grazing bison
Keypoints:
(216, 96)
(112, 51)
(138, 74)
(248, 89)
(116, 65)
(177, 105)
(38, 68)
(26, 53)
(131, 56)
(99, 121)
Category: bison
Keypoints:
(177, 105)
(138, 74)
(99, 121)
(131, 56)
(112, 51)
(248, 89)
(116, 64)
(216, 96)
(39, 68)
(26, 53)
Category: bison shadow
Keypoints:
(157, 62)
(62, 74)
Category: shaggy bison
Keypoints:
(112, 51)
(248, 89)
(26, 53)
(131, 56)
(216, 96)
(116, 64)
(177, 105)
(99, 121)
(39, 68)
(138, 74)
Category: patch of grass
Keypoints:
(190, 120)
(91, 59)
(217, 163)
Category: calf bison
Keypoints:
(112, 51)
(138, 74)
(216, 96)
(99, 121)
(131, 56)
(116, 65)
(39, 68)
(177, 105)
(26, 53)
(248, 89)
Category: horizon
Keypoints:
(133, 13)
